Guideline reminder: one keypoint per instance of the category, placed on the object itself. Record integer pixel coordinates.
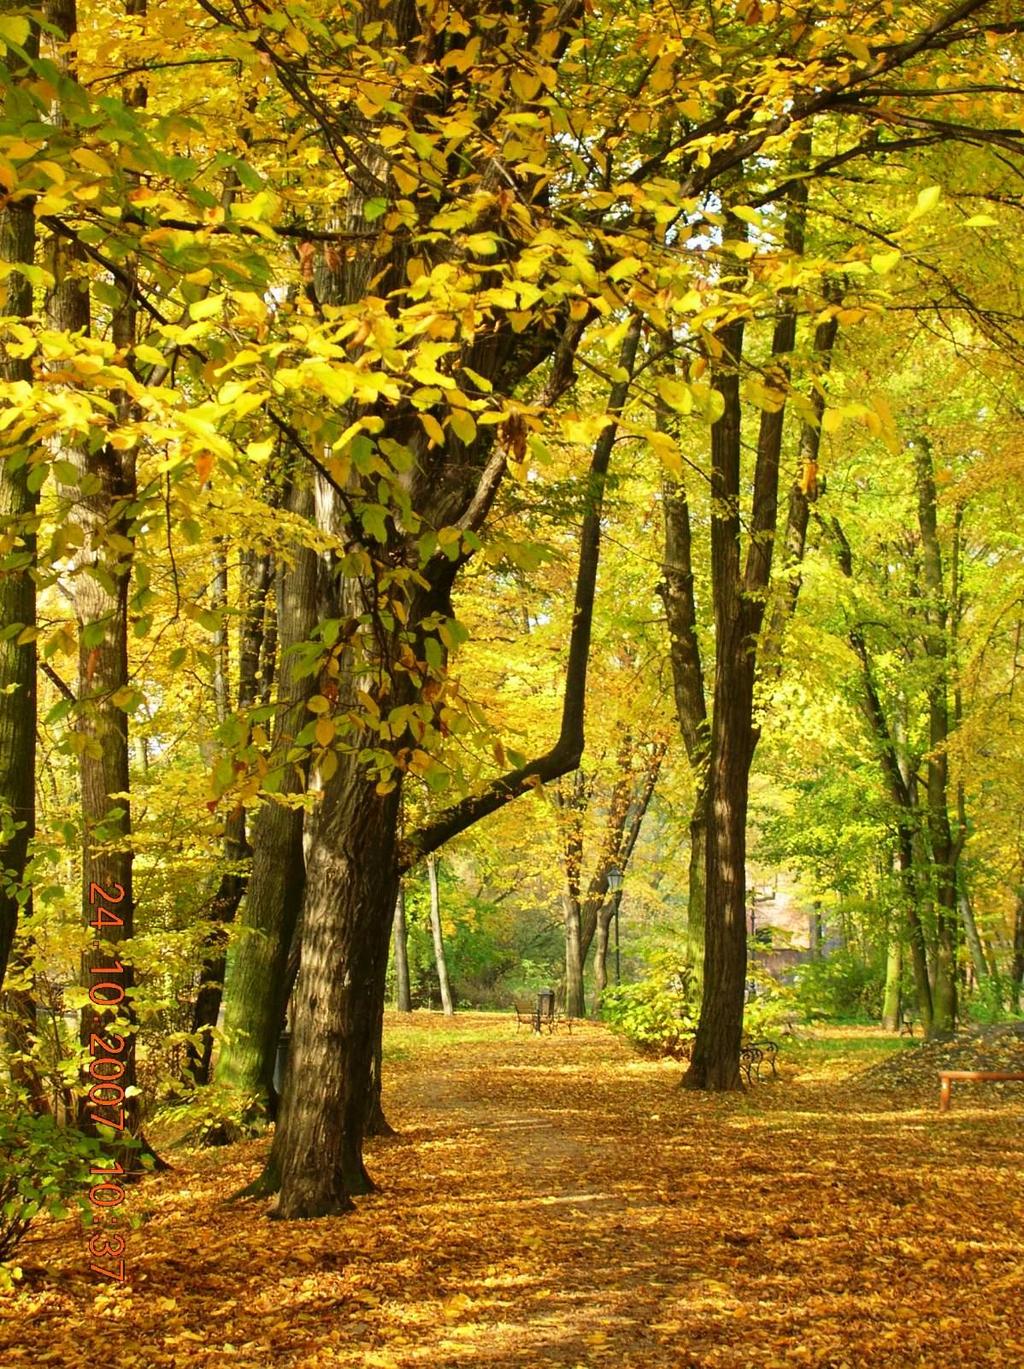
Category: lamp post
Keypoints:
(615, 889)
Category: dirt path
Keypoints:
(553, 1201)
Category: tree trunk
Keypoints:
(447, 1007)
(677, 592)
(893, 983)
(255, 996)
(918, 949)
(944, 851)
(403, 991)
(715, 1061)
(696, 901)
(973, 939)
(601, 955)
(352, 884)
(575, 1003)
(1017, 967)
(376, 1123)
(255, 584)
(17, 596)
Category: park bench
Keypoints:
(947, 1078)
(753, 1054)
(530, 1015)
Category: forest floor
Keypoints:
(555, 1201)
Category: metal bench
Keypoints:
(753, 1055)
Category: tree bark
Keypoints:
(572, 806)
(437, 932)
(1017, 965)
(403, 991)
(893, 983)
(376, 1123)
(17, 597)
(944, 850)
(677, 592)
(255, 992)
(352, 883)
(255, 583)
(898, 784)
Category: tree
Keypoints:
(437, 933)
(18, 499)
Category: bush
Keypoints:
(43, 1168)
(658, 1016)
(772, 1006)
(840, 986)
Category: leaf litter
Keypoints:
(555, 1201)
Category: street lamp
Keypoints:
(615, 889)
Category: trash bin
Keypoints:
(545, 1008)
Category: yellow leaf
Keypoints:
(433, 429)
(14, 29)
(831, 421)
(324, 731)
(206, 308)
(296, 40)
(676, 394)
(462, 425)
(318, 704)
(90, 161)
(926, 202)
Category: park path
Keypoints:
(554, 1201)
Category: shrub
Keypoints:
(658, 1015)
(772, 1006)
(840, 986)
(43, 1168)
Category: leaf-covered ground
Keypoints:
(554, 1201)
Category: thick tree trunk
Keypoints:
(376, 1123)
(255, 993)
(403, 990)
(715, 1061)
(352, 883)
(437, 932)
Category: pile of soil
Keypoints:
(999, 1047)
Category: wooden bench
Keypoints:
(947, 1078)
(526, 1016)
